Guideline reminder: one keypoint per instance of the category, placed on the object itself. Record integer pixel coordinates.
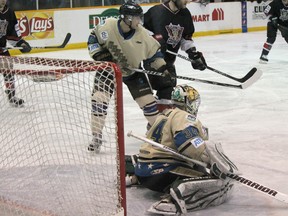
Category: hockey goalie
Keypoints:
(187, 187)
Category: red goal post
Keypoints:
(45, 168)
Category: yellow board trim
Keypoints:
(196, 34)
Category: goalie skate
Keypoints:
(16, 102)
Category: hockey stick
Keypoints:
(242, 180)
(244, 85)
(65, 42)
(249, 75)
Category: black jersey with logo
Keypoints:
(9, 29)
(173, 26)
(277, 9)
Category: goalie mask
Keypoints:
(130, 10)
(186, 98)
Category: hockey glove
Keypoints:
(198, 60)
(25, 46)
(169, 78)
(103, 55)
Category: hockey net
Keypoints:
(45, 168)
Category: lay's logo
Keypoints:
(36, 25)
(218, 14)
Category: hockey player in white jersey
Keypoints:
(126, 42)
(188, 187)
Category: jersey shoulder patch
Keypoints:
(191, 118)
(104, 35)
(198, 141)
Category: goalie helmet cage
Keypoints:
(45, 168)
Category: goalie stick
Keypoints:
(244, 85)
(240, 179)
(249, 75)
(63, 45)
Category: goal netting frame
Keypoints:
(45, 168)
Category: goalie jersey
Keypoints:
(178, 130)
(128, 52)
(173, 26)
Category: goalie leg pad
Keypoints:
(193, 194)
(199, 193)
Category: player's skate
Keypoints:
(263, 59)
(96, 143)
(16, 102)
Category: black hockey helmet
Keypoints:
(130, 9)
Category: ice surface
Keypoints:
(251, 124)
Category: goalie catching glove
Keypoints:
(220, 164)
(25, 46)
(198, 60)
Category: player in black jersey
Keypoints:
(172, 25)
(277, 11)
(9, 31)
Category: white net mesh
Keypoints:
(45, 168)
